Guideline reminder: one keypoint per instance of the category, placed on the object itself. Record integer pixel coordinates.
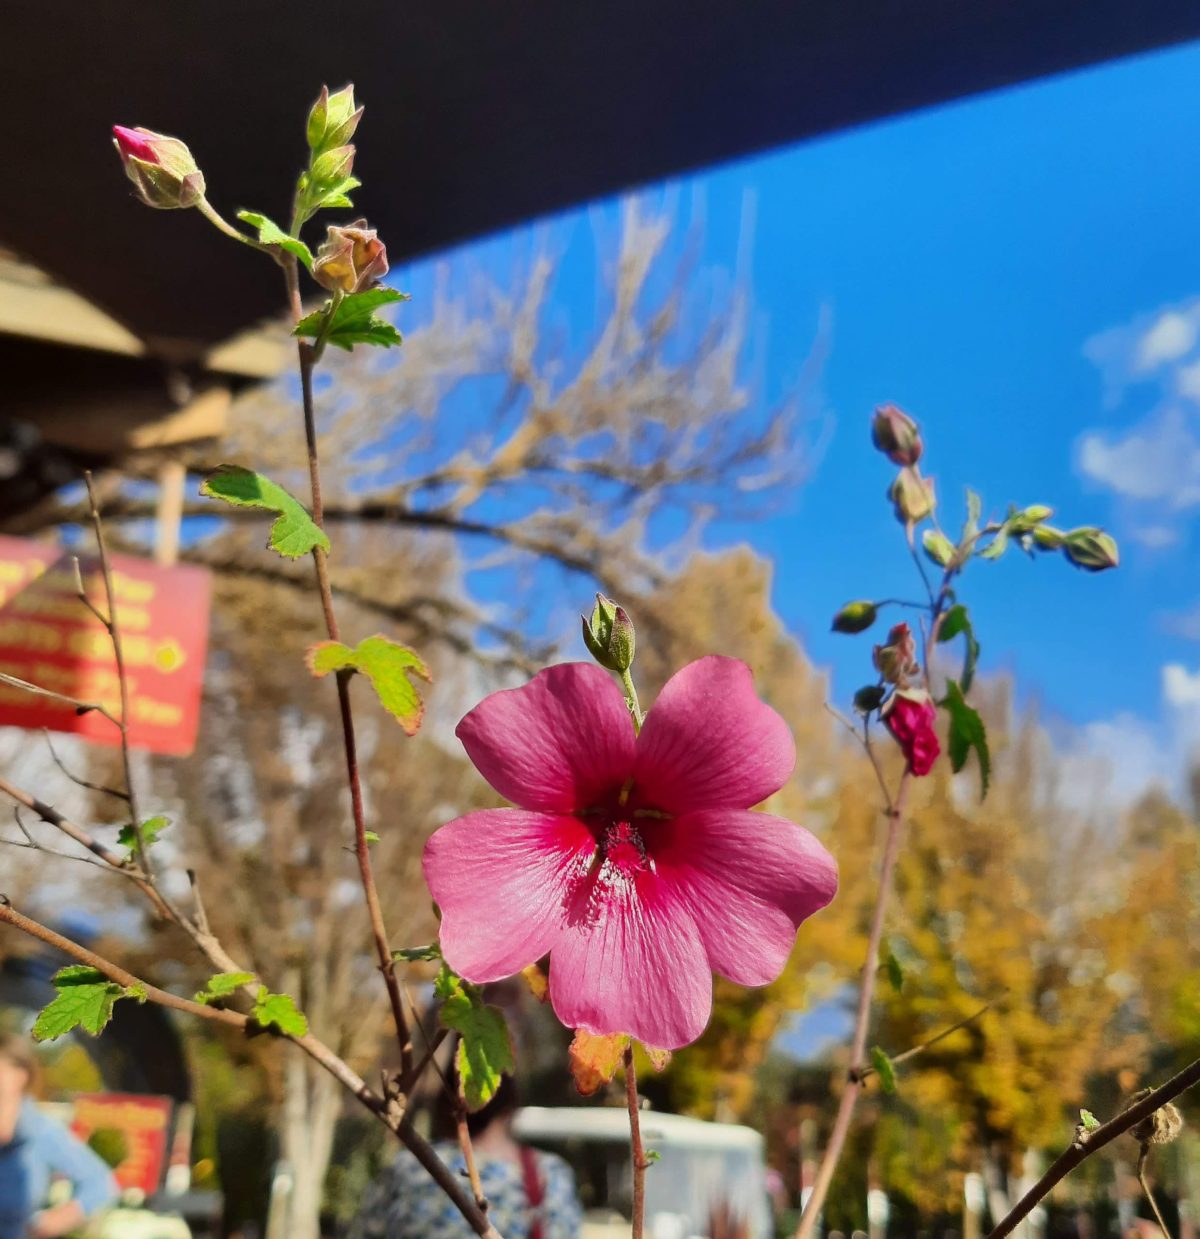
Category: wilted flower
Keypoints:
(913, 496)
(351, 259)
(896, 435)
(896, 660)
(633, 861)
(162, 169)
(911, 717)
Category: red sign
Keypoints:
(144, 1122)
(48, 637)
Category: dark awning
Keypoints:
(479, 114)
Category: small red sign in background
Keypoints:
(143, 1121)
(49, 638)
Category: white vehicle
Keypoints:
(702, 1168)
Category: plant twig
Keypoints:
(1141, 1175)
(1088, 1142)
(468, 1151)
(91, 787)
(862, 1020)
(113, 624)
(362, 848)
(925, 1045)
(638, 1157)
(81, 707)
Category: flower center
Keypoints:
(622, 851)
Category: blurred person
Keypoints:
(530, 1194)
(34, 1150)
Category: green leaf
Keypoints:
(270, 233)
(293, 534)
(485, 1051)
(370, 836)
(998, 545)
(354, 320)
(417, 954)
(885, 1069)
(279, 1011)
(894, 971)
(387, 664)
(974, 510)
(956, 621)
(1088, 1121)
(149, 830)
(317, 197)
(223, 985)
(967, 732)
(85, 1000)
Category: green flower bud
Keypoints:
(1028, 519)
(938, 547)
(913, 496)
(1047, 538)
(855, 617)
(609, 635)
(1091, 549)
(895, 434)
(333, 120)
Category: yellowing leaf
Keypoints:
(594, 1060)
(294, 532)
(387, 664)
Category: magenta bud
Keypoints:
(896, 435)
(162, 169)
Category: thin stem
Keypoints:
(631, 696)
(1141, 1174)
(51, 815)
(1088, 1142)
(9, 915)
(862, 1020)
(637, 1152)
(113, 624)
(215, 218)
(91, 787)
(925, 1045)
(468, 1152)
(81, 707)
(362, 848)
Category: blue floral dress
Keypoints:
(405, 1203)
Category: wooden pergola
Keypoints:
(124, 330)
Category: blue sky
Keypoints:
(1021, 272)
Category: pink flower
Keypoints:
(133, 144)
(633, 861)
(911, 718)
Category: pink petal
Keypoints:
(502, 879)
(631, 962)
(747, 880)
(562, 742)
(710, 743)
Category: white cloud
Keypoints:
(1158, 461)
(1181, 687)
(1171, 336)
(1155, 537)
(1187, 381)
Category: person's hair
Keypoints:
(19, 1052)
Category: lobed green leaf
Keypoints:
(279, 1011)
(149, 831)
(352, 320)
(85, 999)
(957, 621)
(293, 534)
(223, 985)
(885, 1069)
(485, 1052)
(387, 664)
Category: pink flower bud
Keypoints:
(162, 169)
(351, 259)
(911, 717)
(895, 434)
